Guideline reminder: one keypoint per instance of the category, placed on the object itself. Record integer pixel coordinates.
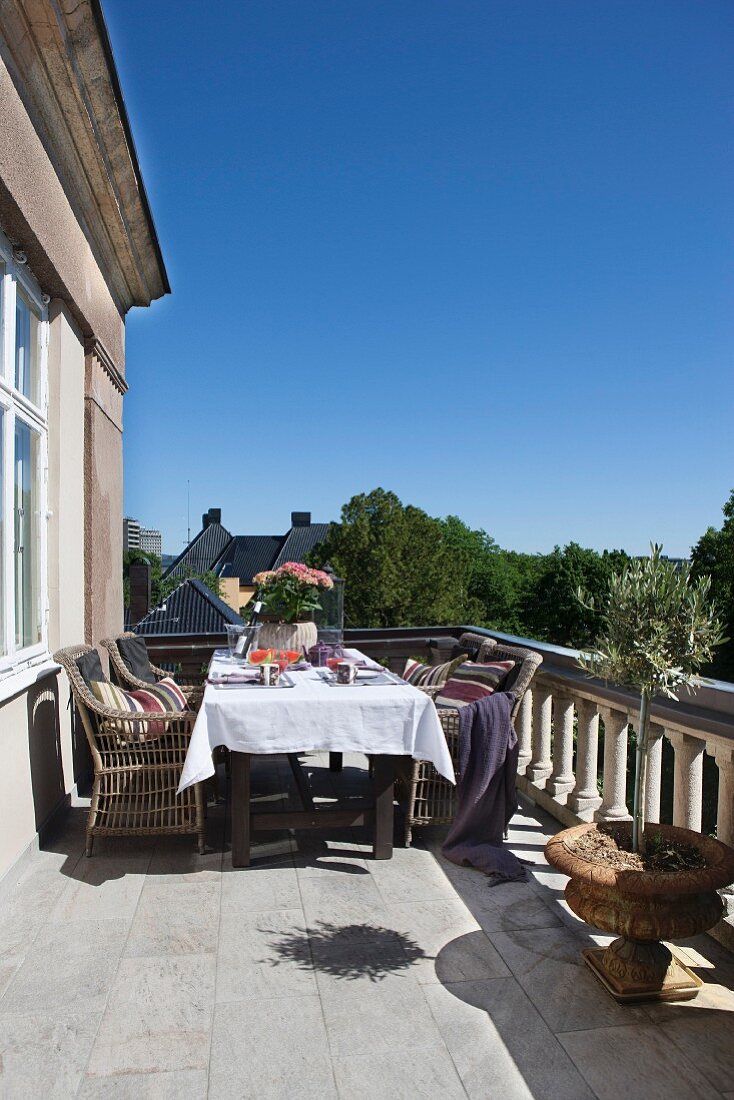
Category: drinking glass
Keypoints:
(234, 633)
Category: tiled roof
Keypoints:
(247, 555)
(202, 552)
(192, 608)
(300, 541)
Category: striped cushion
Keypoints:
(109, 695)
(165, 697)
(471, 682)
(420, 675)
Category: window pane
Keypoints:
(27, 537)
(3, 604)
(27, 332)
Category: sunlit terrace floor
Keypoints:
(148, 971)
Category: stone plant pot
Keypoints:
(642, 908)
(288, 636)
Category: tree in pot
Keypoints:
(658, 629)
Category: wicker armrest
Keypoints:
(431, 690)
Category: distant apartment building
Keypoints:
(135, 537)
(130, 534)
(150, 541)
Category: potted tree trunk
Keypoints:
(647, 882)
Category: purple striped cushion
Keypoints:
(471, 682)
(165, 697)
(420, 675)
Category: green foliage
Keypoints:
(551, 610)
(398, 563)
(658, 627)
(168, 584)
(713, 555)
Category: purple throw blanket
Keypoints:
(487, 797)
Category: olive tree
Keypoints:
(659, 627)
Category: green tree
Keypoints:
(713, 555)
(399, 566)
(552, 611)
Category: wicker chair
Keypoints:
(135, 782)
(426, 797)
(122, 675)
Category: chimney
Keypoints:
(214, 515)
(139, 590)
(300, 519)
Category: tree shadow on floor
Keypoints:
(348, 952)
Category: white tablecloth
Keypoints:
(394, 720)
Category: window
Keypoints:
(23, 461)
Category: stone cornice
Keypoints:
(60, 59)
(95, 347)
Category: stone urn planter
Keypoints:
(288, 636)
(642, 908)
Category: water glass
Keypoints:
(234, 633)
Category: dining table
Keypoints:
(378, 715)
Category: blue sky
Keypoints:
(479, 253)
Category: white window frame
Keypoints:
(16, 659)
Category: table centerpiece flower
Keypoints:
(290, 595)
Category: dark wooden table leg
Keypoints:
(336, 760)
(383, 782)
(240, 766)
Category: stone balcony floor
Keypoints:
(150, 972)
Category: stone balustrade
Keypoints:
(561, 718)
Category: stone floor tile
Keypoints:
(270, 1050)
(637, 1062)
(70, 968)
(443, 929)
(501, 1045)
(415, 1074)
(177, 860)
(264, 954)
(266, 849)
(547, 963)
(43, 1055)
(102, 887)
(704, 1034)
(187, 1084)
(26, 904)
(9, 964)
(329, 862)
(158, 1017)
(505, 906)
(180, 919)
(362, 1019)
(465, 958)
(417, 877)
(256, 889)
(348, 902)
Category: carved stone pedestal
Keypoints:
(633, 971)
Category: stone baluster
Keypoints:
(541, 764)
(687, 779)
(585, 798)
(724, 758)
(654, 772)
(524, 728)
(562, 780)
(614, 798)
